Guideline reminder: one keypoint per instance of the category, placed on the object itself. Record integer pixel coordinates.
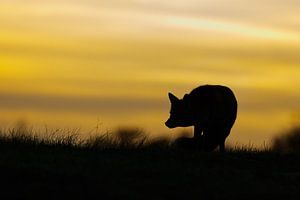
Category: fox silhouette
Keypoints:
(211, 109)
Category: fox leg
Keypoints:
(211, 139)
(222, 146)
(197, 131)
(198, 137)
(222, 140)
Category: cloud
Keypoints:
(78, 104)
(256, 19)
(231, 28)
(266, 100)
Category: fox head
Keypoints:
(180, 115)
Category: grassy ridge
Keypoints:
(130, 166)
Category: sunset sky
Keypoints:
(79, 63)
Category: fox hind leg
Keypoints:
(223, 136)
(214, 137)
(222, 145)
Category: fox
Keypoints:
(211, 109)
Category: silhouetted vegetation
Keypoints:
(126, 164)
(288, 142)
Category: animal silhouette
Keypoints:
(211, 109)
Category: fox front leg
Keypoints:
(197, 131)
(198, 137)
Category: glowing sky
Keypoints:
(76, 63)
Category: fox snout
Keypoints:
(169, 124)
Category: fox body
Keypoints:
(211, 109)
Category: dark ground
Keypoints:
(37, 171)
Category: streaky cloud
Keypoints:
(79, 104)
(231, 27)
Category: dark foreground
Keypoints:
(41, 171)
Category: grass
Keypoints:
(288, 141)
(127, 165)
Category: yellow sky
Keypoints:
(73, 63)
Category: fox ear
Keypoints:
(173, 98)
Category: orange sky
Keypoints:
(76, 63)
